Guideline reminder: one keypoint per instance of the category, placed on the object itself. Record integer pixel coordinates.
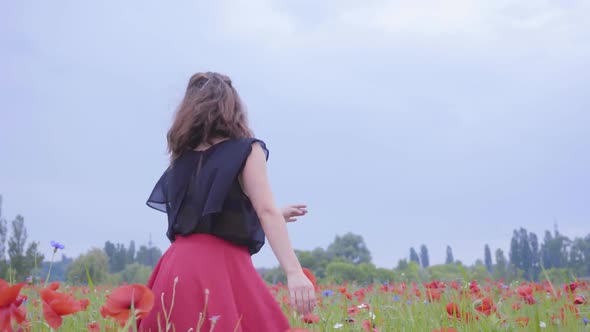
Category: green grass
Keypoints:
(391, 308)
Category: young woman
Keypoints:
(220, 207)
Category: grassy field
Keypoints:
(434, 306)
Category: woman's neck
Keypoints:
(213, 141)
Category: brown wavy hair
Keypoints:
(211, 108)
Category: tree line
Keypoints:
(114, 263)
(347, 258)
(23, 257)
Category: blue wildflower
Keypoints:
(328, 293)
(56, 245)
(585, 320)
(409, 302)
(396, 298)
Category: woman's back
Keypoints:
(214, 225)
(201, 193)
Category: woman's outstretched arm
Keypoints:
(256, 185)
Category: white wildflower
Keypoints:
(542, 324)
(338, 326)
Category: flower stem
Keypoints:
(49, 270)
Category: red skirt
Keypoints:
(236, 292)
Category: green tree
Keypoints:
(479, 271)
(3, 233)
(586, 255)
(109, 249)
(321, 260)
(414, 256)
(131, 252)
(414, 272)
(450, 259)
(97, 263)
(135, 273)
(340, 272)
(556, 275)
(274, 276)
(118, 256)
(351, 248)
(148, 256)
(382, 275)
(315, 260)
(424, 259)
(554, 250)
(526, 254)
(445, 272)
(535, 255)
(488, 258)
(58, 270)
(579, 256)
(402, 265)
(514, 252)
(22, 261)
(501, 267)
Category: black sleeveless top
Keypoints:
(201, 193)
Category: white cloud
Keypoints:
(499, 26)
(255, 19)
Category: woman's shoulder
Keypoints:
(243, 146)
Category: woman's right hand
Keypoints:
(302, 292)
(257, 188)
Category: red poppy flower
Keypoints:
(435, 284)
(93, 327)
(579, 300)
(56, 305)
(433, 295)
(10, 308)
(353, 311)
(453, 310)
(53, 286)
(119, 303)
(311, 318)
(530, 300)
(369, 327)
(571, 287)
(525, 290)
(311, 277)
(84, 303)
(522, 321)
(486, 306)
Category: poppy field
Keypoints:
(433, 306)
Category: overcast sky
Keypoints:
(407, 122)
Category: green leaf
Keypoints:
(90, 283)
